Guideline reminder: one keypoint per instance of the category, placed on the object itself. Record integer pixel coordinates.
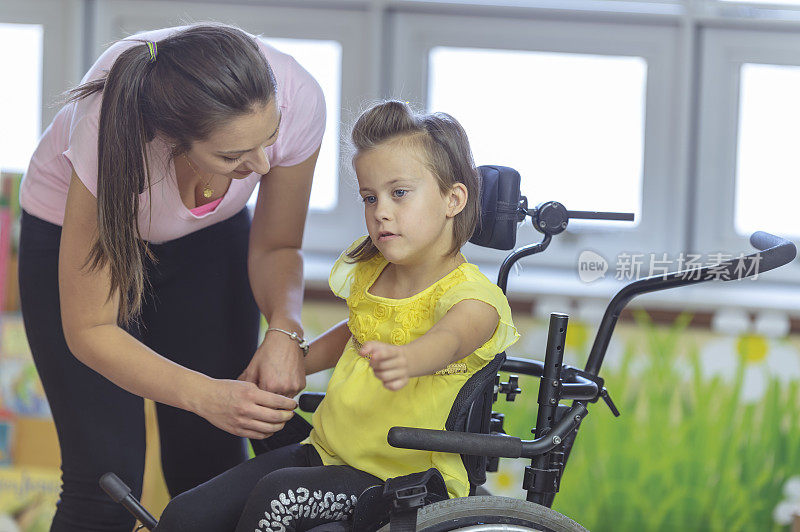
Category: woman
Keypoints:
(135, 251)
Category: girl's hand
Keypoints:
(277, 366)
(389, 363)
(242, 409)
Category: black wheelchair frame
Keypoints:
(473, 430)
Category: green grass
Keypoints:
(685, 454)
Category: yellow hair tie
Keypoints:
(153, 48)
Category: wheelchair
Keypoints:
(419, 502)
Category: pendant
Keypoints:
(208, 192)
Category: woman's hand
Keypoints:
(277, 366)
(389, 363)
(243, 409)
(275, 266)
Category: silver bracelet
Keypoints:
(302, 342)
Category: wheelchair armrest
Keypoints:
(446, 441)
(309, 401)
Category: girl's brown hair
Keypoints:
(449, 158)
(199, 78)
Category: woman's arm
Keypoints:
(275, 265)
(89, 319)
(325, 351)
(464, 328)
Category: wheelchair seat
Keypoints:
(471, 412)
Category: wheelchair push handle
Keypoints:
(309, 401)
(121, 493)
(774, 251)
(114, 487)
(499, 445)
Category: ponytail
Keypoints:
(121, 176)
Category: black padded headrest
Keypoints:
(500, 197)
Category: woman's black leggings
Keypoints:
(200, 313)
(287, 489)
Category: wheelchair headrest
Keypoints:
(500, 197)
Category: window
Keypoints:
(323, 60)
(618, 105)
(575, 118)
(583, 111)
(20, 94)
(746, 166)
(767, 156)
(767, 2)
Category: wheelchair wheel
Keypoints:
(484, 514)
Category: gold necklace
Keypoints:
(207, 190)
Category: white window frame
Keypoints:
(751, 10)
(62, 46)
(327, 232)
(661, 227)
(725, 50)
(691, 114)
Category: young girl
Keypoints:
(422, 321)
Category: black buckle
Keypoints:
(406, 502)
(541, 480)
(409, 498)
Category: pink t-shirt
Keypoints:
(71, 142)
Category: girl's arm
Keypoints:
(275, 265)
(326, 349)
(463, 329)
(89, 319)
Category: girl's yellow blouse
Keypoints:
(351, 423)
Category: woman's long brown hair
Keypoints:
(201, 77)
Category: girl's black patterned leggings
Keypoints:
(285, 489)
